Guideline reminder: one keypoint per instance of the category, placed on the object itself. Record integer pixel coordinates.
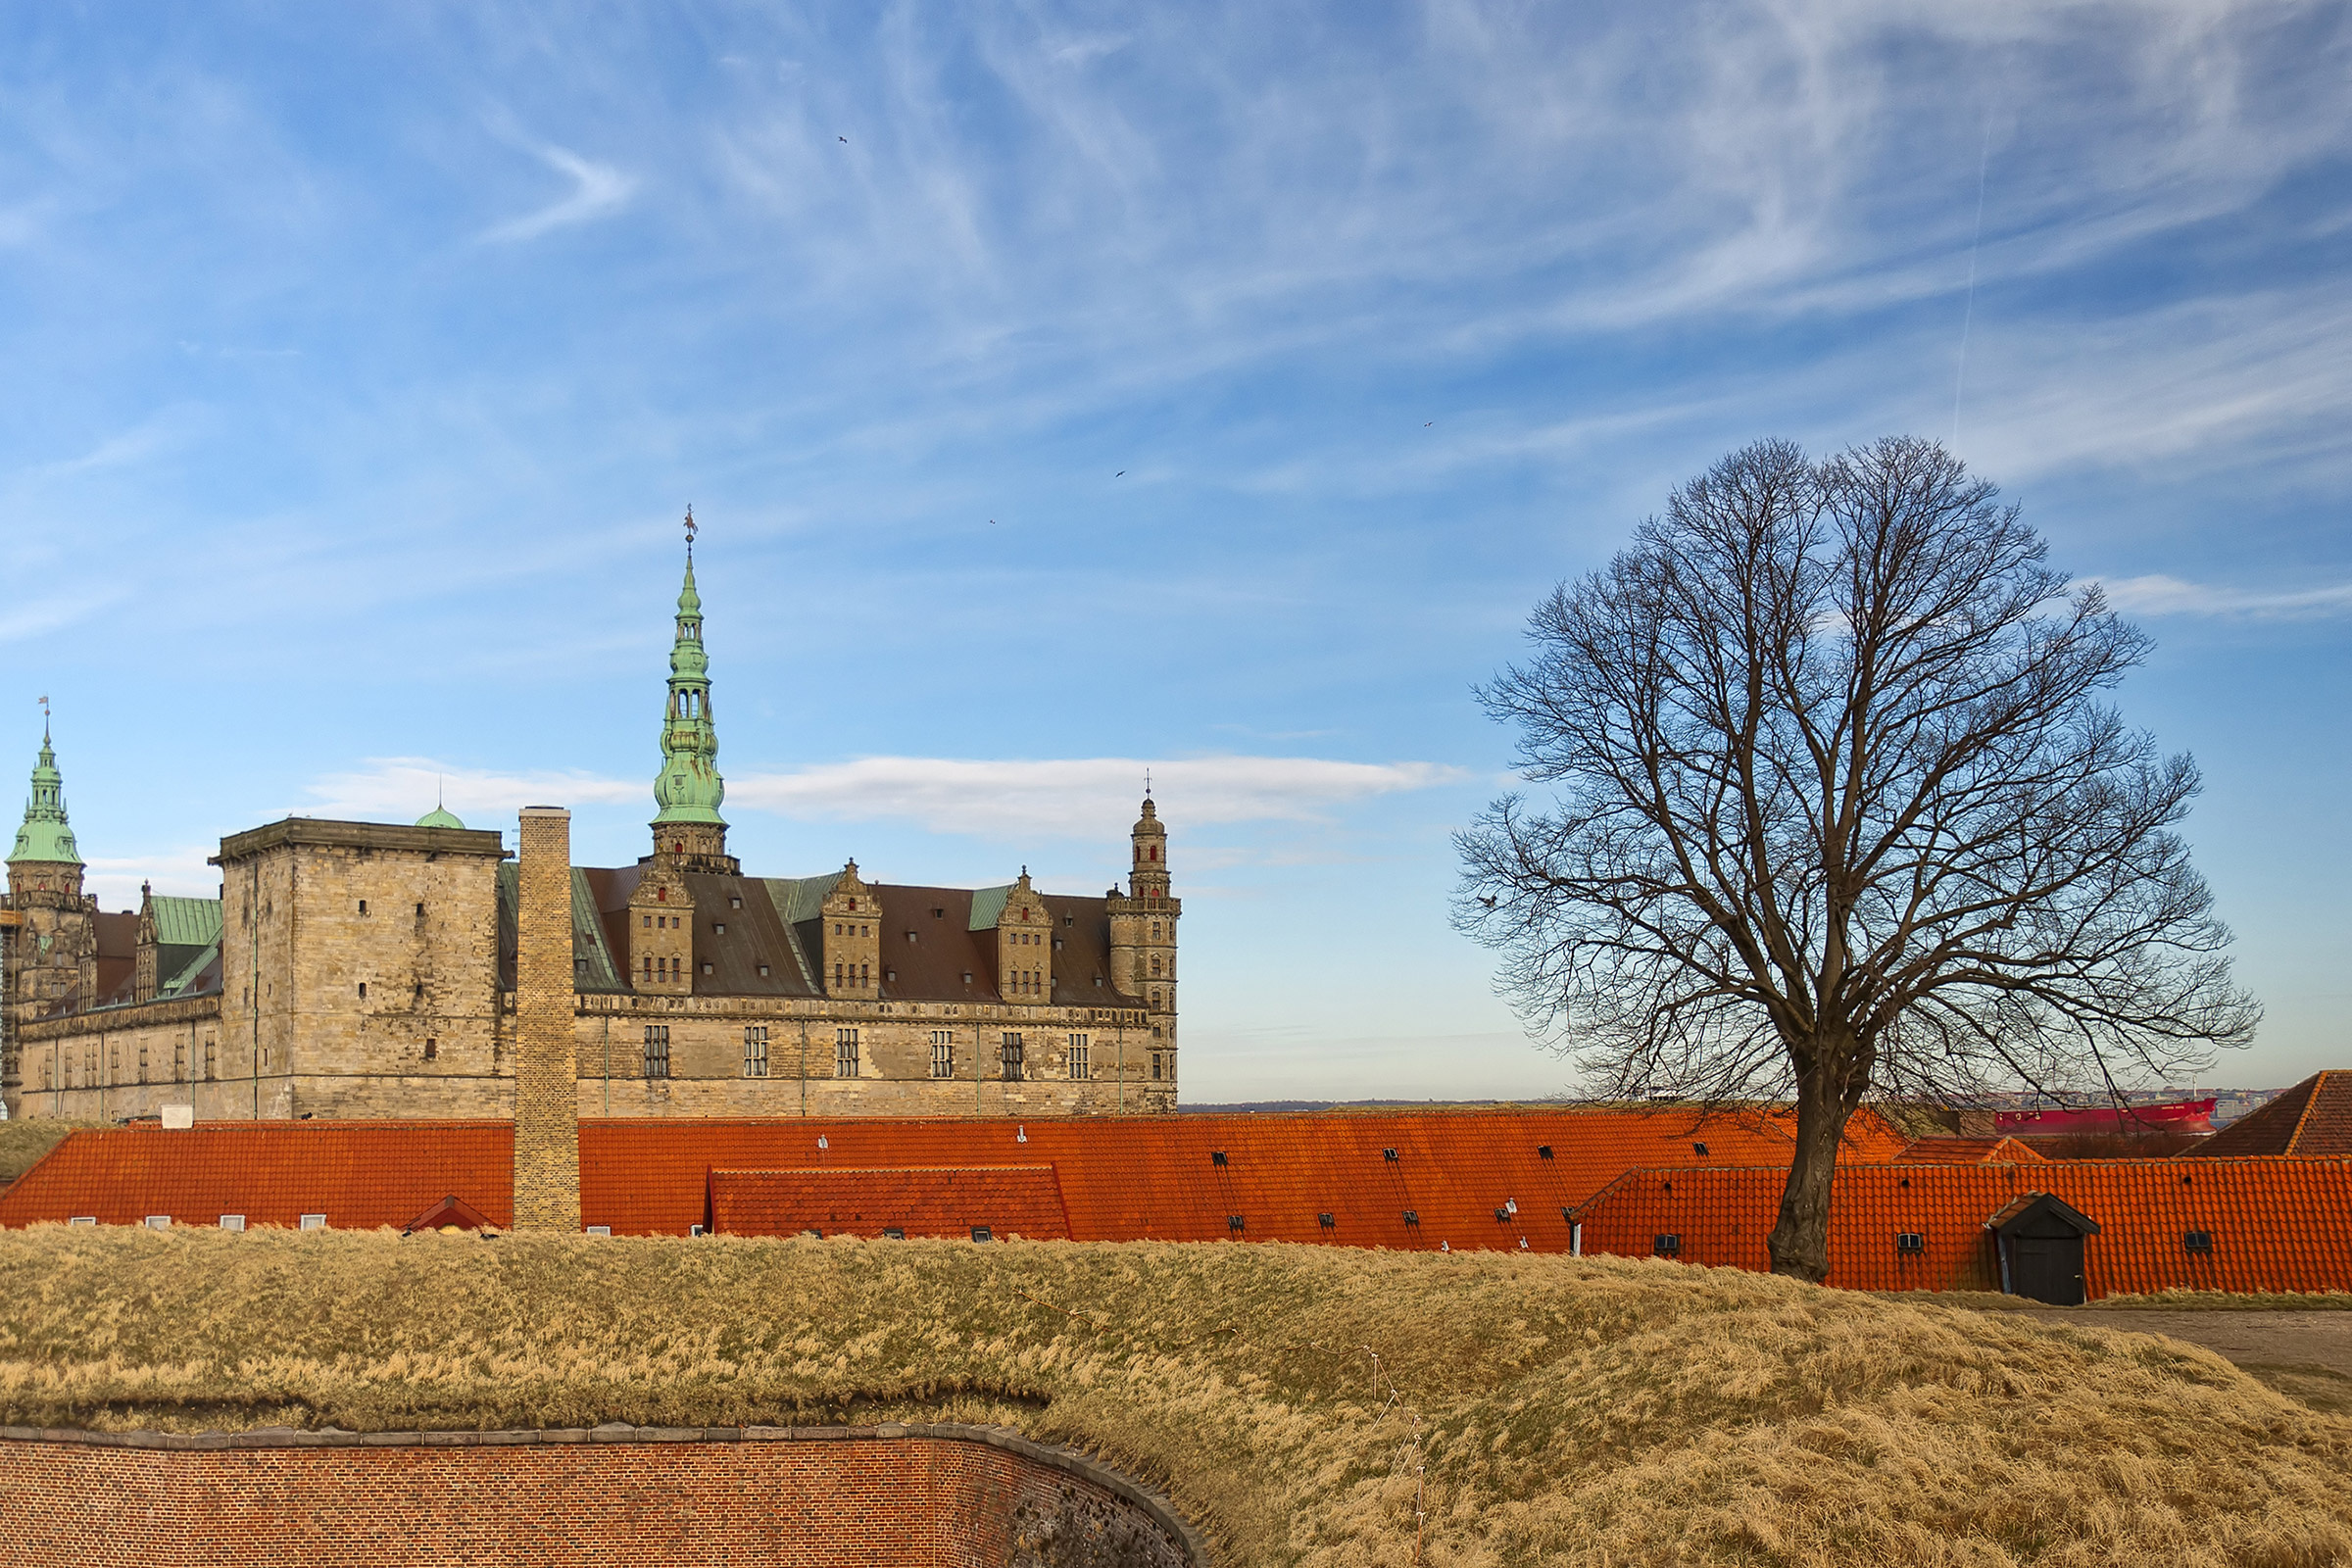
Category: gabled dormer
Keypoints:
(849, 938)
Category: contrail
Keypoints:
(1969, 313)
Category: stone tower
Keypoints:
(1143, 931)
(689, 834)
(53, 948)
(547, 1110)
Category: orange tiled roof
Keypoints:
(1970, 1152)
(358, 1174)
(2274, 1224)
(1467, 1178)
(1158, 1177)
(2313, 1117)
(1010, 1200)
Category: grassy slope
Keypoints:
(23, 1141)
(1569, 1410)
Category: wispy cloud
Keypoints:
(599, 191)
(2170, 596)
(1076, 798)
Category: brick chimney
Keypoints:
(547, 1107)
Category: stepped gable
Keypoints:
(2313, 1117)
(2271, 1224)
(1007, 1200)
(1970, 1152)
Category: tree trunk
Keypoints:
(1799, 1243)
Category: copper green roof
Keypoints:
(689, 788)
(44, 835)
(185, 923)
(440, 816)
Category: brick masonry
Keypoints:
(546, 1116)
(951, 1495)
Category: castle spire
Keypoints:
(688, 828)
(45, 836)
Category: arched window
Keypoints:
(1156, 963)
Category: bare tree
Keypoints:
(1839, 808)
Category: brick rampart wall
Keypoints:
(954, 1496)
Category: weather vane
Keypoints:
(1147, 783)
(690, 527)
(44, 716)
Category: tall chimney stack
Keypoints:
(546, 1106)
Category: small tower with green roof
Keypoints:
(54, 931)
(689, 834)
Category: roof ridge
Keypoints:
(2319, 1087)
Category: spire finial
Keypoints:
(44, 718)
(1147, 783)
(689, 533)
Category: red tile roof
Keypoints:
(1157, 1178)
(1022, 1200)
(2313, 1117)
(1120, 1178)
(358, 1174)
(1970, 1152)
(2275, 1224)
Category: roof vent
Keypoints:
(1523, 1243)
(894, 1232)
(1542, 1151)
(1233, 1222)
(1216, 1157)
(820, 1142)
(1020, 1135)
(1701, 1149)
(1388, 1153)
(1327, 1221)
(1412, 1216)
(1501, 1215)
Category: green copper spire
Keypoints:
(46, 835)
(688, 787)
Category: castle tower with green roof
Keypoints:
(52, 936)
(689, 834)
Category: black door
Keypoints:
(2048, 1268)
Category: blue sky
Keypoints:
(1070, 390)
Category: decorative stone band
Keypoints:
(1179, 1545)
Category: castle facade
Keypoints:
(368, 970)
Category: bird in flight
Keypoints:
(844, 140)
(1426, 424)
(1121, 474)
(992, 522)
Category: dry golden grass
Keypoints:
(1585, 1412)
(24, 1141)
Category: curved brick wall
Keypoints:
(956, 1497)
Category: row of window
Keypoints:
(420, 908)
(1012, 1055)
(55, 1065)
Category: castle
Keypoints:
(358, 969)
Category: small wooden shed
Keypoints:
(2039, 1239)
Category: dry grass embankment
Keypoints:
(1590, 1411)
(24, 1141)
